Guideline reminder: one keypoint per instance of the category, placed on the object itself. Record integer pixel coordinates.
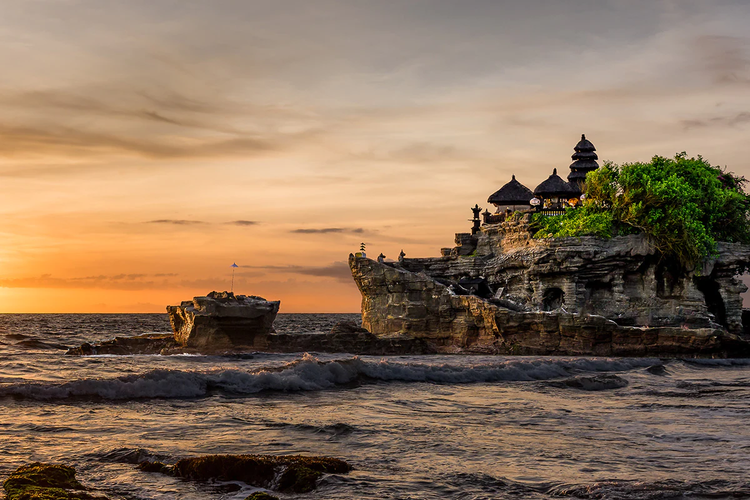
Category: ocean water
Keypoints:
(413, 427)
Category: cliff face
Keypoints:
(502, 291)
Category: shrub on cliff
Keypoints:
(684, 205)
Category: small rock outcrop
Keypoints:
(46, 482)
(285, 473)
(150, 343)
(509, 293)
(223, 320)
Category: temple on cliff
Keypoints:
(553, 195)
(501, 290)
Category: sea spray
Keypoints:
(311, 374)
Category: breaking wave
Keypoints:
(310, 374)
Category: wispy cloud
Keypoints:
(177, 222)
(328, 230)
(244, 223)
(336, 270)
(731, 120)
(115, 282)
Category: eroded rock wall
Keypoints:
(621, 278)
(401, 304)
(557, 296)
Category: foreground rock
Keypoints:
(223, 320)
(290, 473)
(40, 481)
(510, 294)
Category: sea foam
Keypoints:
(310, 374)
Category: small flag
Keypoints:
(235, 265)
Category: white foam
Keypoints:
(311, 374)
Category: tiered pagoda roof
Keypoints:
(584, 161)
(513, 193)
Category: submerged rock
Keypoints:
(344, 337)
(39, 481)
(287, 473)
(222, 320)
(153, 343)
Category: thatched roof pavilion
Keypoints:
(554, 187)
(513, 193)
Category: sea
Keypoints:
(413, 427)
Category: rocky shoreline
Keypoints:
(282, 473)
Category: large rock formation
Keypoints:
(222, 320)
(502, 291)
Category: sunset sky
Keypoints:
(147, 145)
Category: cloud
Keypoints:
(177, 222)
(244, 222)
(336, 270)
(726, 59)
(115, 282)
(723, 121)
(328, 230)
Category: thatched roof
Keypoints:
(586, 165)
(584, 145)
(554, 186)
(513, 193)
(585, 155)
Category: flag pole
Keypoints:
(234, 265)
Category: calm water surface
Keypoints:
(414, 427)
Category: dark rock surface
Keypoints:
(344, 337)
(222, 320)
(287, 473)
(154, 343)
(577, 296)
(46, 482)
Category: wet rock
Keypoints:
(39, 481)
(347, 327)
(141, 344)
(295, 473)
(222, 320)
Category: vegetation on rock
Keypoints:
(684, 205)
(40, 481)
(261, 495)
(296, 473)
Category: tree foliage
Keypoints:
(684, 205)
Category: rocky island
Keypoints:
(223, 320)
(512, 294)
(639, 260)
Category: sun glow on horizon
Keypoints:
(137, 164)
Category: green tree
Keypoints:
(684, 205)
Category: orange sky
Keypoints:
(145, 146)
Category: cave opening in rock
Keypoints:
(552, 299)
(714, 302)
